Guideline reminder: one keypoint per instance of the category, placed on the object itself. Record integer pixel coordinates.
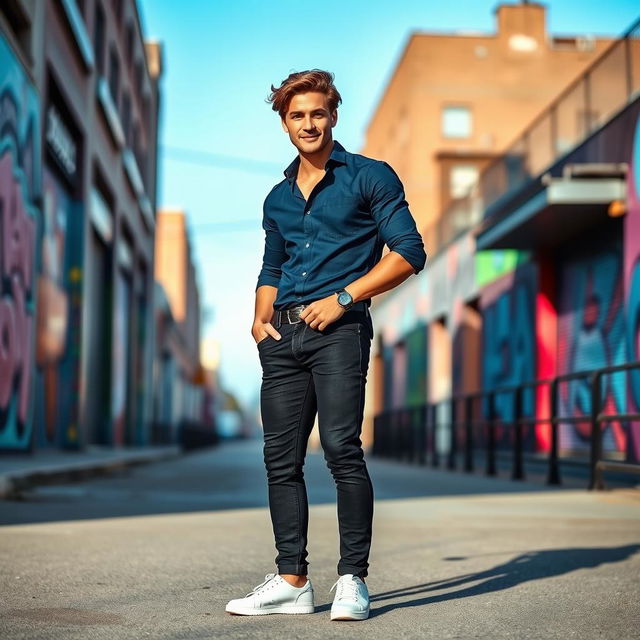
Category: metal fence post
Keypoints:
(517, 471)
(435, 458)
(422, 440)
(595, 475)
(468, 438)
(491, 437)
(553, 472)
(453, 441)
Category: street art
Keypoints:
(591, 336)
(632, 290)
(508, 347)
(19, 190)
(59, 292)
(417, 366)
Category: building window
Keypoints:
(20, 25)
(145, 113)
(461, 179)
(114, 74)
(117, 9)
(126, 116)
(98, 39)
(137, 78)
(456, 122)
(129, 43)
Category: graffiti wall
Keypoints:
(417, 366)
(632, 293)
(591, 335)
(508, 344)
(59, 293)
(20, 183)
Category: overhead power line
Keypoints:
(227, 226)
(220, 161)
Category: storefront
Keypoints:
(59, 288)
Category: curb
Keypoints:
(15, 482)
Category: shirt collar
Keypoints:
(338, 154)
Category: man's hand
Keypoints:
(321, 313)
(261, 330)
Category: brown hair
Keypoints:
(302, 82)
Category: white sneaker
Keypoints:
(274, 595)
(351, 601)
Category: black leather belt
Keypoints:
(292, 314)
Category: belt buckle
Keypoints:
(300, 307)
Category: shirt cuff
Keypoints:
(414, 256)
(267, 279)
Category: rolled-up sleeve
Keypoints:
(390, 210)
(274, 252)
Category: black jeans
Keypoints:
(305, 372)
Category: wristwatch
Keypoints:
(344, 299)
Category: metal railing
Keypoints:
(419, 435)
(604, 88)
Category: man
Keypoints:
(325, 226)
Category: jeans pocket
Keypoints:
(263, 340)
(350, 327)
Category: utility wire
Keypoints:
(221, 161)
(227, 226)
(218, 160)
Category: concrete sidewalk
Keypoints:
(539, 565)
(19, 472)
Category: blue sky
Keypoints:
(221, 58)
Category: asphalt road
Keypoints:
(157, 551)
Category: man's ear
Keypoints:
(334, 118)
(284, 125)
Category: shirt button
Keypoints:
(304, 273)
(306, 213)
(306, 245)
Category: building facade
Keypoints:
(80, 94)
(181, 390)
(456, 100)
(545, 284)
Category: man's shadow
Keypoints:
(533, 565)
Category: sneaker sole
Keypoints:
(349, 615)
(281, 608)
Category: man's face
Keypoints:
(308, 122)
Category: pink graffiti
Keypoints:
(17, 231)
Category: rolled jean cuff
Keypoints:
(344, 569)
(294, 569)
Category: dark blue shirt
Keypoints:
(315, 247)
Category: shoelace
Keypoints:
(347, 588)
(268, 578)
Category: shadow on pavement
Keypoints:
(534, 565)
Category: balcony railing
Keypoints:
(610, 83)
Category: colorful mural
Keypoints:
(417, 366)
(20, 184)
(591, 336)
(632, 293)
(508, 347)
(59, 295)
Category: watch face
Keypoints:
(344, 298)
